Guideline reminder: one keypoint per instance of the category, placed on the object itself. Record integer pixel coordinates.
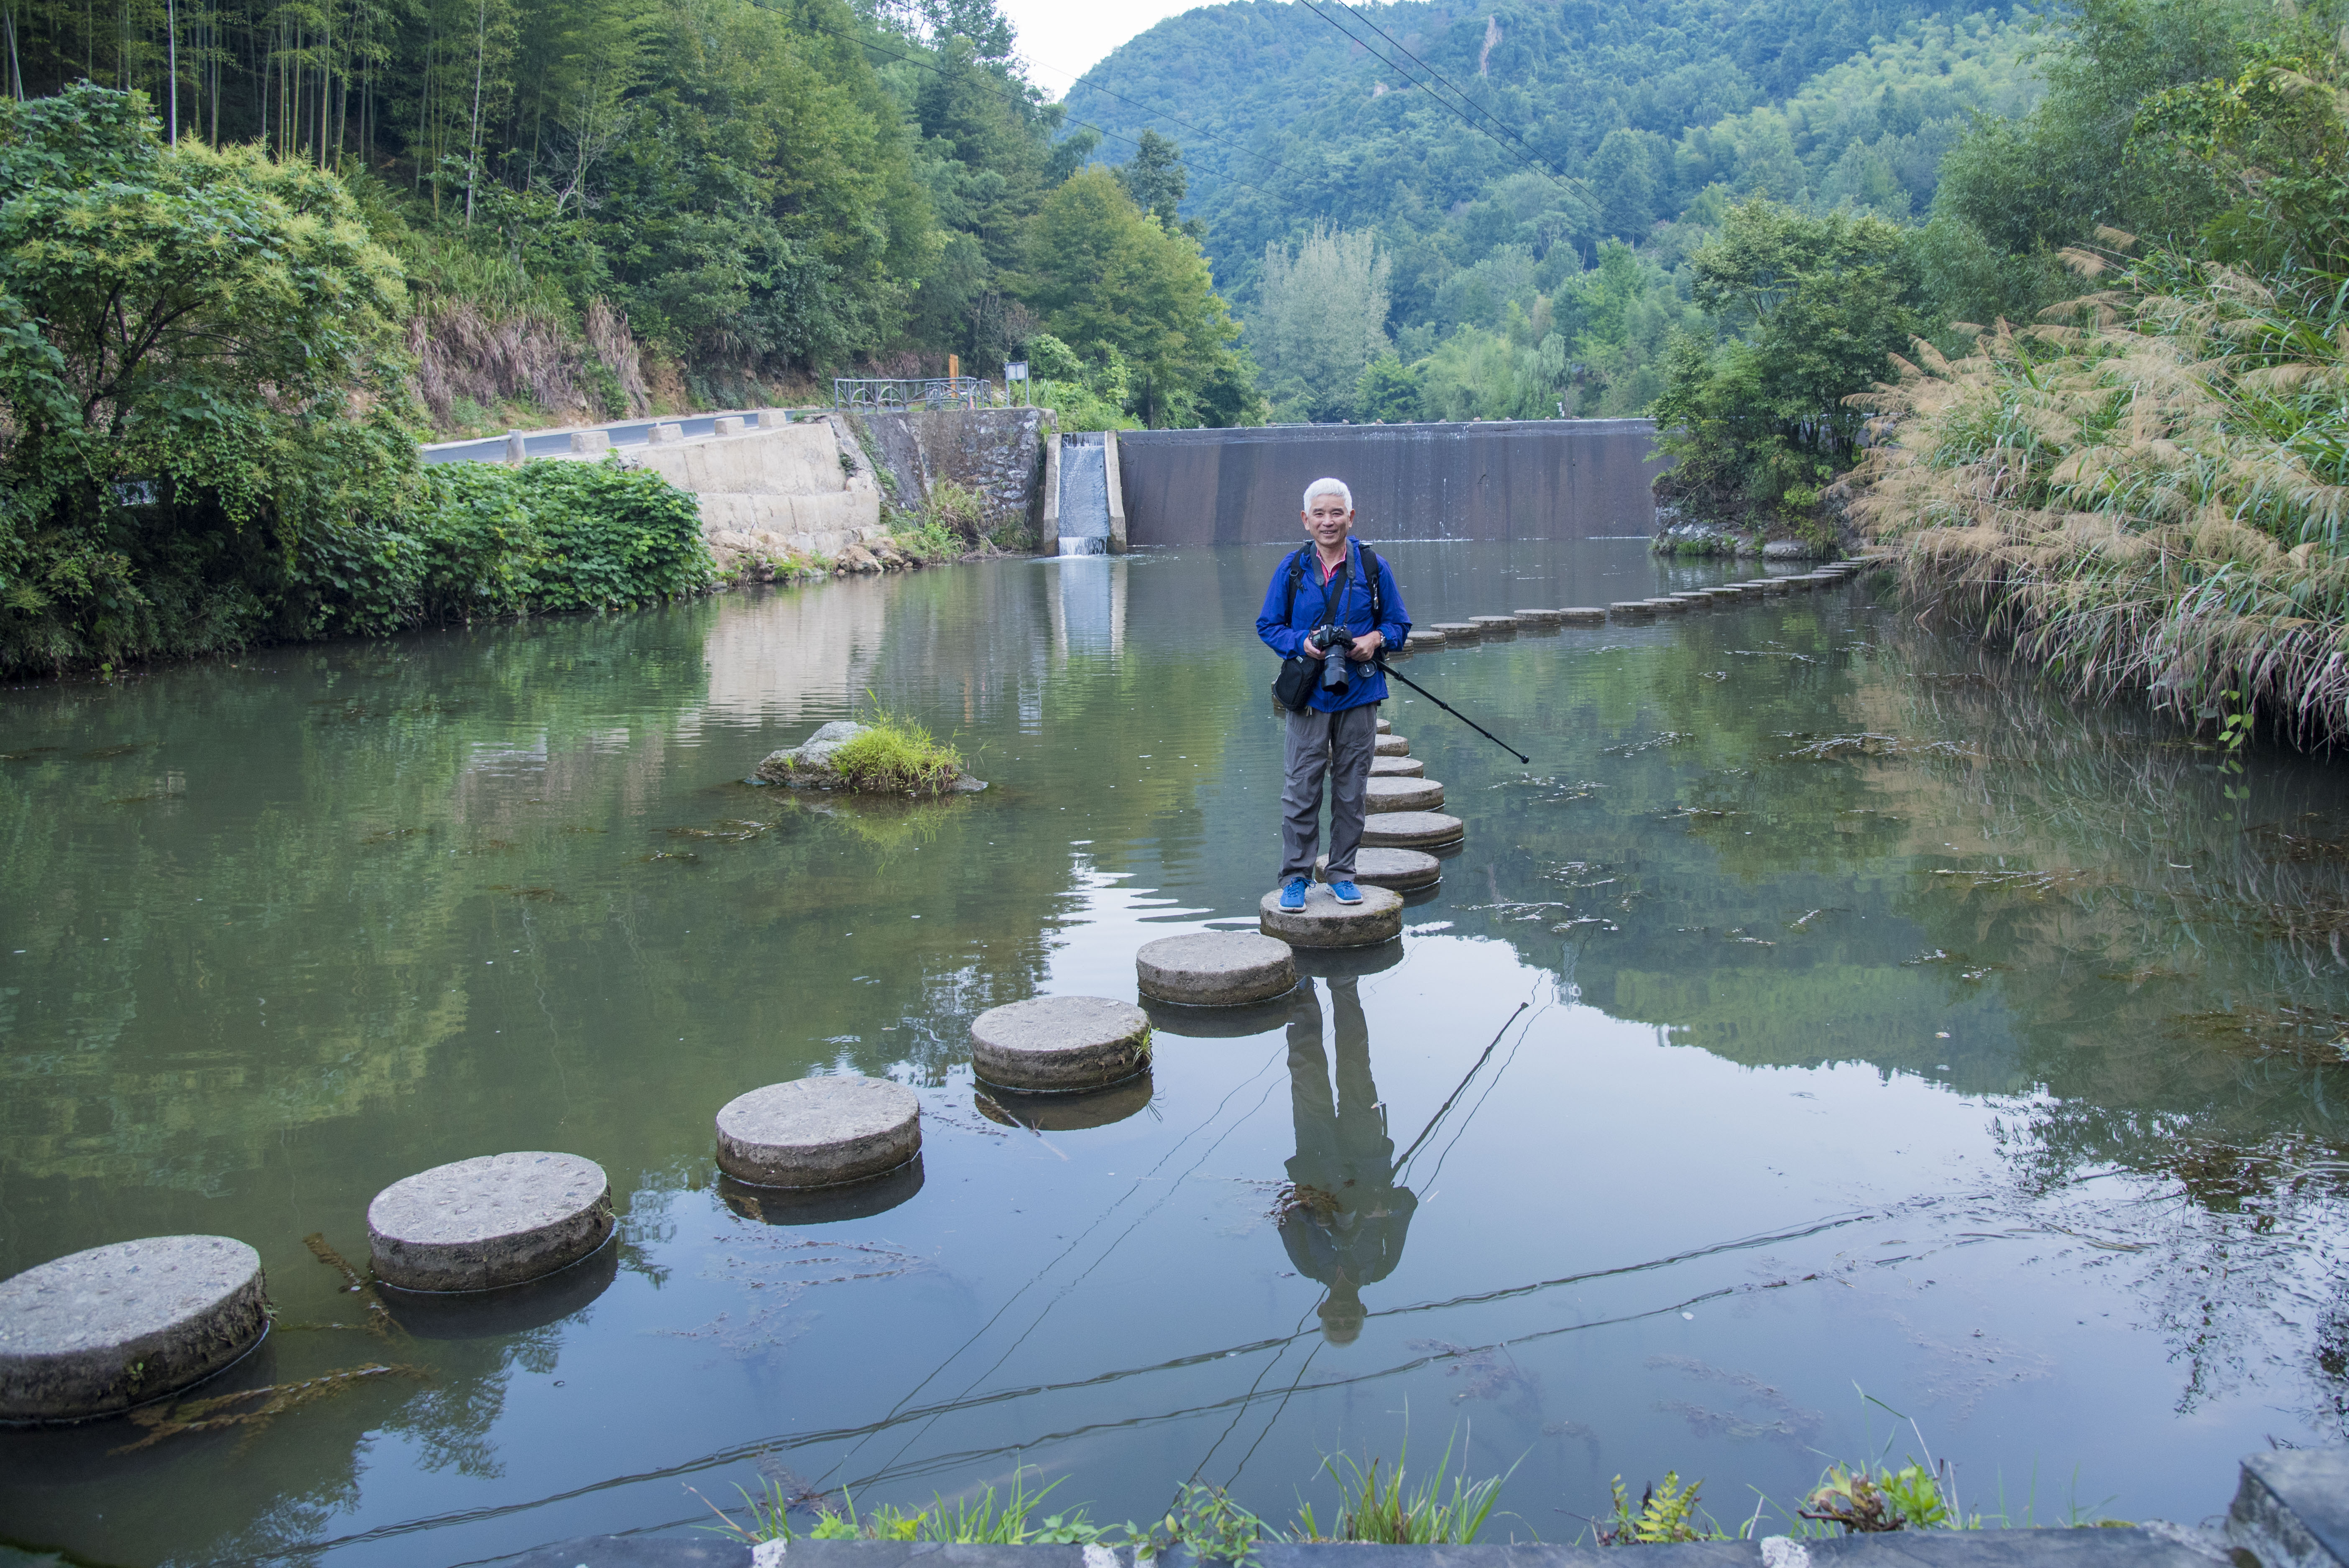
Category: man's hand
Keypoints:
(1366, 647)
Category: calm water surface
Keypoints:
(1826, 1009)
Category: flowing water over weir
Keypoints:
(1825, 1005)
(1084, 495)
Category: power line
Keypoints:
(1440, 102)
(1463, 97)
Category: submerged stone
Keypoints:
(818, 1132)
(97, 1332)
(1403, 870)
(1214, 968)
(810, 765)
(1326, 923)
(495, 1220)
(1411, 830)
(1053, 1045)
(1391, 795)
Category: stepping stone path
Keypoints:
(1391, 795)
(1411, 830)
(495, 1220)
(1390, 746)
(1326, 923)
(1397, 768)
(1404, 870)
(818, 1132)
(1054, 1045)
(95, 1332)
(1216, 969)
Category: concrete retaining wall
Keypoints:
(1529, 479)
(771, 492)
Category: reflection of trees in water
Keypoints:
(1344, 1220)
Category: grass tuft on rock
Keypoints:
(898, 755)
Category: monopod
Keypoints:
(1384, 669)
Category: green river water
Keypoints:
(1993, 1066)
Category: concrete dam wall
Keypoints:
(1519, 479)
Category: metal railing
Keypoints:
(931, 392)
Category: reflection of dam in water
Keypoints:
(1517, 479)
(1087, 604)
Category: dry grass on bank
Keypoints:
(2148, 499)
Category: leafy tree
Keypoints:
(1322, 320)
(1156, 178)
(199, 352)
(1106, 279)
(1386, 392)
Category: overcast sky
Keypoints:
(1062, 38)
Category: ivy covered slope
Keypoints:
(205, 427)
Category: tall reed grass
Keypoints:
(2149, 492)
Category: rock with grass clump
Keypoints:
(890, 758)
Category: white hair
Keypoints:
(1336, 487)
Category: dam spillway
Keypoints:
(1496, 480)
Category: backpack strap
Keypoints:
(1371, 578)
(1296, 577)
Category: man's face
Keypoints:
(1329, 520)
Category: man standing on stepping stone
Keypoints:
(1331, 582)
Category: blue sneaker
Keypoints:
(1292, 895)
(1345, 892)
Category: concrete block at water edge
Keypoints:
(1583, 615)
(97, 1332)
(2291, 1508)
(1411, 830)
(1457, 631)
(1326, 923)
(1539, 616)
(590, 441)
(495, 1220)
(1404, 870)
(1397, 768)
(1390, 746)
(1631, 609)
(1214, 968)
(1392, 794)
(662, 435)
(818, 1132)
(1055, 1044)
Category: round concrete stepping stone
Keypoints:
(1411, 830)
(1214, 968)
(495, 1220)
(1386, 726)
(1326, 923)
(1803, 584)
(1698, 598)
(1390, 746)
(1539, 616)
(1668, 606)
(1397, 768)
(1457, 631)
(818, 1132)
(1056, 1045)
(1723, 593)
(1391, 795)
(1423, 639)
(1774, 586)
(94, 1332)
(1583, 615)
(1492, 624)
(1629, 609)
(1403, 870)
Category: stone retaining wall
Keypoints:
(998, 452)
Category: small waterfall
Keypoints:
(1084, 495)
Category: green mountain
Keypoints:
(1467, 133)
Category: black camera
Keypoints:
(1333, 642)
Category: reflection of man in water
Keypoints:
(1345, 1223)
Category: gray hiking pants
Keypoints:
(1337, 747)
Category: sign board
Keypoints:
(1017, 370)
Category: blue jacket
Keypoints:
(1353, 615)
